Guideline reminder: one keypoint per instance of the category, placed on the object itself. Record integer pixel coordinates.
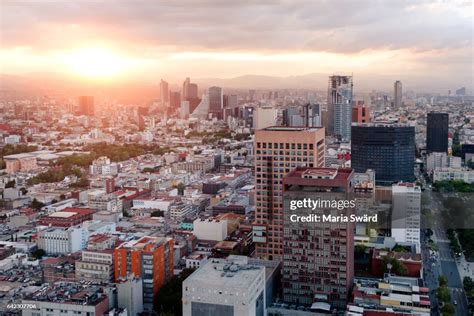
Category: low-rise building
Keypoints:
(96, 266)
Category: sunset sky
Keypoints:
(172, 39)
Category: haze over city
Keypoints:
(287, 44)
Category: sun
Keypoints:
(96, 63)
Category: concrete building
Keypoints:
(96, 266)
(57, 300)
(265, 117)
(68, 217)
(130, 295)
(103, 166)
(20, 163)
(450, 174)
(278, 150)
(151, 259)
(318, 261)
(440, 160)
(210, 229)
(406, 213)
(225, 288)
(56, 241)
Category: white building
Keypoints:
(101, 201)
(225, 287)
(406, 207)
(130, 295)
(59, 206)
(450, 174)
(196, 260)
(62, 240)
(180, 210)
(103, 166)
(265, 117)
(210, 229)
(438, 160)
(155, 204)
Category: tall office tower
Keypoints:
(339, 107)
(186, 84)
(386, 148)
(360, 112)
(215, 102)
(461, 91)
(164, 92)
(86, 105)
(175, 101)
(278, 150)
(397, 94)
(318, 262)
(406, 210)
(151, 259)
(437, 132)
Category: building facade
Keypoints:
(339, 106)
(386, 148)
(151, 259)
(278, 150)
(318, 261)
(437, 125)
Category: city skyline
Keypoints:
(411, 42)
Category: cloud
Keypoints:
(270, 26)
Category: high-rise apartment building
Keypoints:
(86, 105)
(278, 150)
(215, 102)
(151, 259)
(318, 261)
(164, 92)
(437, 125)
(406, 210)
(339, 108)
(397, 94)
(386, 148)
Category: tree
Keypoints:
(180, 188)
(443, 294)
(168, 299)
(36, 204)
(448, 309)
(443, 280)
(157, 213)
(468, 284)
(10, 184)
(38, 253)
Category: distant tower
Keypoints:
(339, 109)
(215, 102)
(164, 92)
(86, 105)
(397, 94)
(437, 127)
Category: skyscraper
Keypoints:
(190, 90)
(318, 262)
(185, 88)
(164, 92)
(339, 108)
(397, 94)
(175, 101)
(437, 132)
(386, 148)
(86, 105)
(278, 150)
(215, 102)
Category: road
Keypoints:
(443, 262)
